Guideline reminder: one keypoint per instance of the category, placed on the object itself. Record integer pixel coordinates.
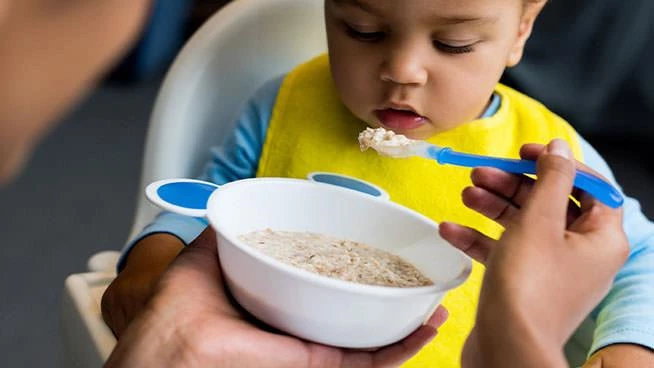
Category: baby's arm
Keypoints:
(130, 290)
(624, 333)
(143, 260)
(621, 355)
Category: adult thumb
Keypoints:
(200, 255)
(206, 241)
(555, 169)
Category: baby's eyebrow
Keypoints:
(453, 20)
(438, 19)
(358, 3)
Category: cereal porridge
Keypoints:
(386, 142)
(336, 258)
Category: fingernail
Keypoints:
(559, 147)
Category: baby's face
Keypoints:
(420, 67)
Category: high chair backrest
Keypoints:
(243, 45)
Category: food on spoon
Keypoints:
(386, 142)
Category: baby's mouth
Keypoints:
(400, 120)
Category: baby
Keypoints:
(428, 70)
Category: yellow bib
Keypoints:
(311, 130)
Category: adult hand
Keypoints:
(552, 265)
(190, 321)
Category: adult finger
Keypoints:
(531, 151)
(491, 205)
(587, 201)
(398, 353)
(599, 221)
(512, 187)
(547, 206)
(205, 241)
(439, 317)
(473, 243)
(196, 270)
(200, 256)
(504, 211)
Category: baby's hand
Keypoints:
(131, 289)
(621, 356)
(125, 297)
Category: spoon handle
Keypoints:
(595, 186)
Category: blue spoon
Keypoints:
(598, 188)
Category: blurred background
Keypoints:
(77, 195)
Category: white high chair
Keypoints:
(240, 47)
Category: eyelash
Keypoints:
(372, 37)
(364, 36)
(453, 49)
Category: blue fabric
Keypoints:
(624, 316)
(492, 108)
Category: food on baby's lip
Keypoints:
(386, 142)
(336, 258)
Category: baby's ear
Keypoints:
(529, 14)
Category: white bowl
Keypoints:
(318, 308)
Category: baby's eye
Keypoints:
(453, 49)
(364, 36)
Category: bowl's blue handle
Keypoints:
(183, 196)
(598, 188)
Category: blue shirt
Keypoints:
(626, 315)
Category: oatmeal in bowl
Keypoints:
(348, 262)
(337, 258)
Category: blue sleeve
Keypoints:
(626, 315)
(237, 158)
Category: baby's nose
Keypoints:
(404, 66)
